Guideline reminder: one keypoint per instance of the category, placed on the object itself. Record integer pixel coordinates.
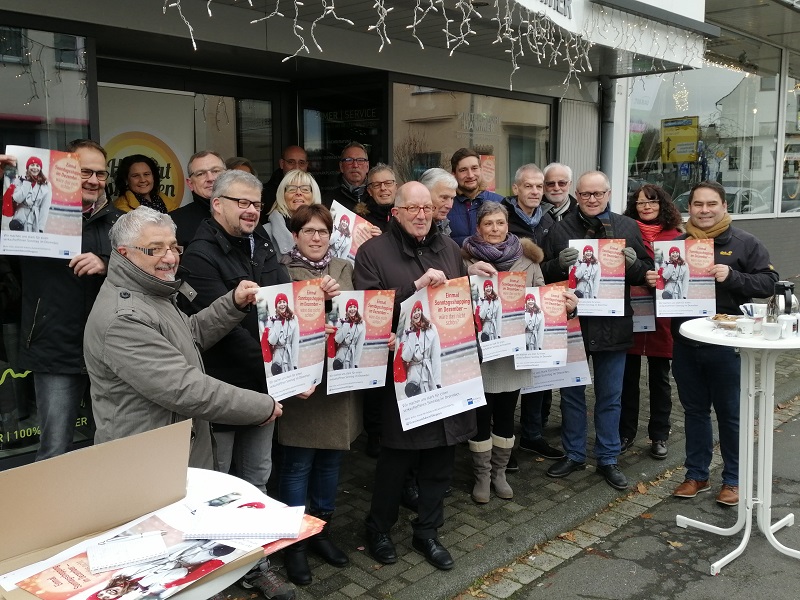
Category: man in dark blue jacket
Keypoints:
(606, 338)
(466, 167)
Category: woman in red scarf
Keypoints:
(658, 220)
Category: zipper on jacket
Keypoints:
(33, 324)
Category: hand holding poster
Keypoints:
(42, 204)
(684, 287)
(358, 350)
(598, 277)
(574, 372)
(291, 321)
(498, 302)
(545, 328)
(349, 232)
(436, 369)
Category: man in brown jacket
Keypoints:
(409, 256)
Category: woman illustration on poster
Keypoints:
(422, 354)
(31, 196)
(587, 274)
(340, 239)
(284, 339)
(490, 312)
(534, 324)
(676, 276)
(349, 338)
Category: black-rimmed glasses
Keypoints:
(244, 203)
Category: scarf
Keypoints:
(501, 255)
(533, 220)
(558, 212)
(649, 230)
(156, 203)
(357, 191)
(598, 227)
(711, 232)
(316, 265)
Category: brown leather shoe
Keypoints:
(728, 495)
(690, 488)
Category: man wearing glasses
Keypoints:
(607, 339)
(353, 168)
(230, 247)
(410, 255)
(292, 157)
(203, 168)
(57, 296)
(557, 182)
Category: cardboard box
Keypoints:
(48, 506)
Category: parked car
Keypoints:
(741, 200)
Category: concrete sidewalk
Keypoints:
(485, 540)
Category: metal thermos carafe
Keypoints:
(782, 302)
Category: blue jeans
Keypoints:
(58, 398)
(246, 453)
(608, 370)
(708, 376)
(310, 473)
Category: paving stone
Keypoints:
(503, 588)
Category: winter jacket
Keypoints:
(521, 229)
(188, 218)
(143, 358)
(499, 375)
(464, 214)
(394, 260)
(321, 421)
(56, 302)
(751, 275)
(600, 333)
(214, 264)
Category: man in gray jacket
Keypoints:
(143, 354)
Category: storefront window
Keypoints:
(790, 193)
(431, 124)
(254, 130)
(45, 105)
(716, 123)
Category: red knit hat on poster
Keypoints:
(488, 283)
(280, 297)
(588, 249)
(530, 297)
(351, 302)
(674, 250)
(33, 160)
(417, 305)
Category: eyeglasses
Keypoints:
(205, 172)
(643, 203)
(350, 161)
(87, 174)
(293, 189)
(375, 185)
(559, 183)
(414, 210)
(244, 203)
(159, 252)
(587, 195)
(310, 232)
(292, 162)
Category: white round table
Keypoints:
(752, 349)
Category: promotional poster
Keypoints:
(42, 204)
(574, 372)
(291, 322)
(545, 329)
(358, 350)
(498, 306)
(349, 232)
(684, 288)
(598, 277)
(644, 309)
(436, 368)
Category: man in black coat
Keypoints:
(410, 255)
(557, 183)
(353, 168)
(606, 338)
(57, 297)
(203, 168)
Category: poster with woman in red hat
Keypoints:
(41, 213)
(498, 302)
(358, 349)
(684, 287)
(598, 277)
(545, 328)
(291, 320)
(349, 232)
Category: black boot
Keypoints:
(296, 563)
(322, 545)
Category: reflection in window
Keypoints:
(790, 189)
(12, 44)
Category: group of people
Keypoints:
(210, 257)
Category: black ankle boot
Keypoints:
(296, 563)
(322, 545)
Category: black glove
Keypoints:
(567, 257)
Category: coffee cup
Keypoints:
(744, 327)
(788, 325)
(771, 331)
